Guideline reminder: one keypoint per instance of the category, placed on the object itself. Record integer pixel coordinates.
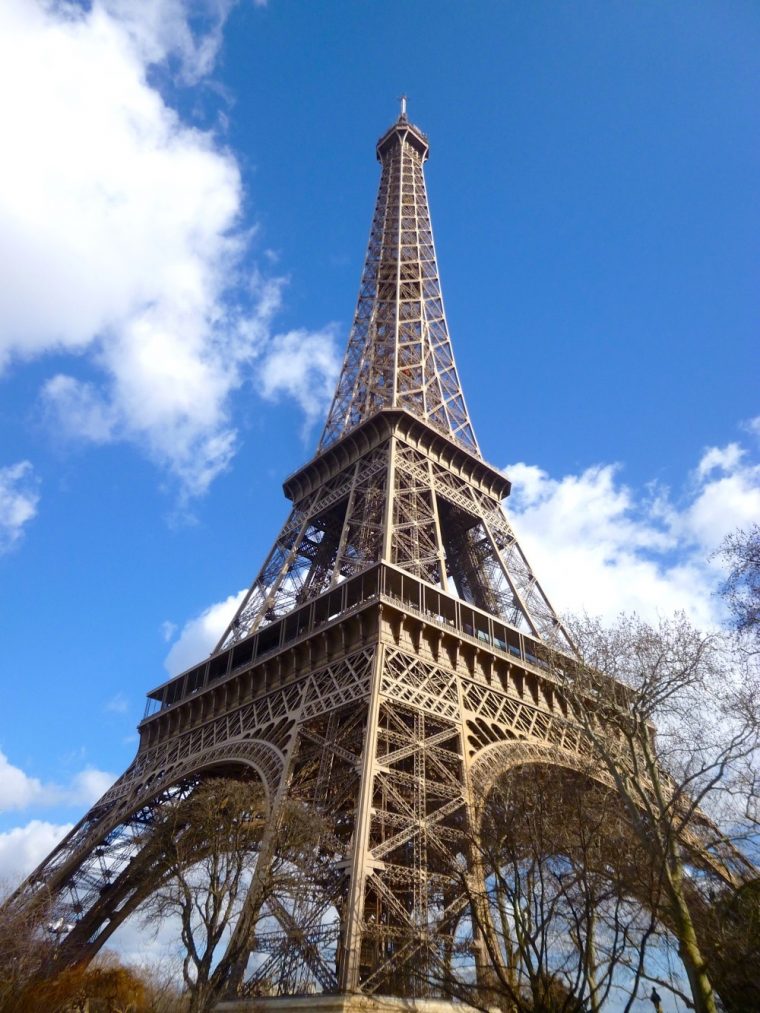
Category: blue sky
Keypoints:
(185, 198)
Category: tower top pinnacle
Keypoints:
(402, 130)
(399, 352)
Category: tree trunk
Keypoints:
(590, 961)
(688, 946)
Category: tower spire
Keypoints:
(399, 352)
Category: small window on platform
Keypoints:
(448, 610)
(174, 691)
(218, 666)
(393, 585)
(196, 679)
(335, 603)
(411, 592)
(291, 627)
(243, 654)
(499, 636)
(468, 620)
(268, 639)
(370, 582)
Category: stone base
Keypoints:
(340, 1004)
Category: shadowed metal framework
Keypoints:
(385, 666)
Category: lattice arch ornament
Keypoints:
(385, 657)
(101, 872)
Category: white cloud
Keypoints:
(17, 789)
(199, 635)
(304, 366)
(598, 545)
(20, 791)
(161, 29)
(168, 629)
(118, 704)
(19, 496)
(728, 499)
(155, 944)
(79, 409)
(720, 459)
(89, 785)
(23, 848)
(121, 233)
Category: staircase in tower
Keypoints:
(384, 667)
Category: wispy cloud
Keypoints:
(19, 498)
(304, 366)
(19, 790)
(118, 704)
(199, 635)
(168, 629)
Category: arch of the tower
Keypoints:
(105, 868)
(500, 759)
(552, 858)
(559, 859)
(298, 943)
(562, 775)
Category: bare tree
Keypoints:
(730, 926)
(564, 882)
(27, 941)
(554, 881)
(222, 861)
(30, 981)
(741, 589)
(679, 785)
(163, 986)
(208, 842)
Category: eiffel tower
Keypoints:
(384, 664)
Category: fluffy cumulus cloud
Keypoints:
(19, 496)
(600, 546)
(200, 634)
(303, 366)
(121, 232)
(23, 848)
(18, 790)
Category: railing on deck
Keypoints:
(379, 582)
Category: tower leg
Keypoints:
(352, 945)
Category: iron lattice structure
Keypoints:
(398, 475)
(384, 666)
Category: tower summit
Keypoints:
(399, 353)
(383, 667)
